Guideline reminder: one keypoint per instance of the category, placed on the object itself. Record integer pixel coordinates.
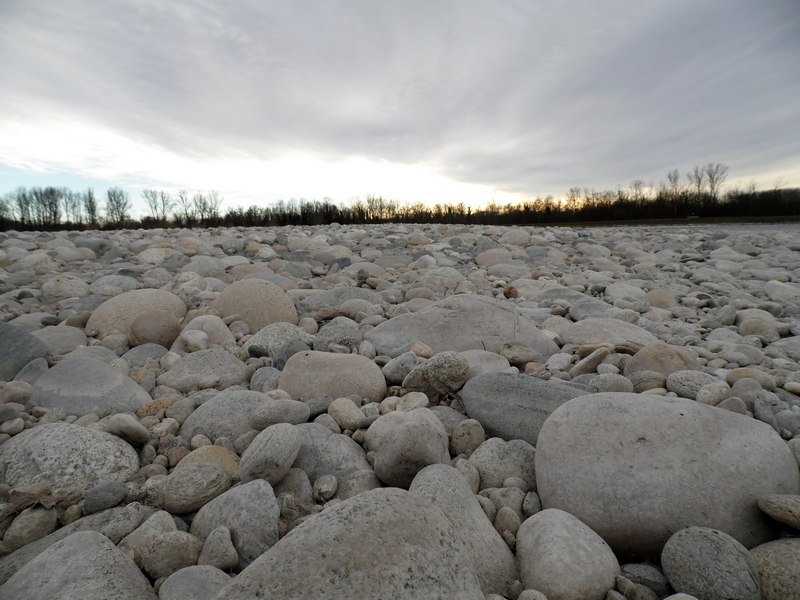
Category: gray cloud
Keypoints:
(531, 97)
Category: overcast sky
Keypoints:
(435, 100)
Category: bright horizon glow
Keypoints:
(101, 154)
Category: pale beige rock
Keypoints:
(256, 302)
(308, 375)
(118, 313)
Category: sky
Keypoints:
(417, 100)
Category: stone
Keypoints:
(513, 406)
(708, 563)
(308, 375)
(687, 384)
(115, 524)
(125, 426)
(784, 508)
(466, 436)
(65, 456)
(81, 386)
(326, 453)
(137, 542)
(218, 550)
(83, 566)
(217, 455)
(60, 339)
(687, 451)
(30, 525)
(765, 380)
(441, 326)
(275, 336)
(778, 564)
(443, 373)
(250, 512)
(213, 368)
(563, 558)
(496, 460)
(346, 414)
(339, 331)
(405, 443)
(647, 575)
(482, 361)
(103, 495)
(256, 302)
(608, 331)
(117, 314)
(170, 552)
(271, 454)
(17, 349)
(193, 582)
(154, 327)
(233, 413)
(412, 550)
(188, 489)
(492, 561)
(397, 368)
(662, 358)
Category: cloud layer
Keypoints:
(519, 97)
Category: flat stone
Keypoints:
(80, 386)
(441, 326)
(17, 349)
(308, 375)
(188, 489)
(213, 368)
(412, 550)
(784, 508)
(513, 406)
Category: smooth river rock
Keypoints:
(611, 459)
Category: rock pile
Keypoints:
(398, 411)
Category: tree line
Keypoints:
(698, 196)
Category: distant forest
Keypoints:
(700, 196)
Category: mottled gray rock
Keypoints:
(492, 561)
(496, 460)
(271, 454)
(218, 550)
(784, 508)
(340, 331)
(778, 564)
(687, 451)
(687, 383)
(189, 488)
(563, 558)
(213, 368)
(333, 298)
(114, 524)
(193, 583)
(513, 406)
(65, 456)
(608, 331)
(250, 511)
(396, 369)
(235, 412)
(103, 495)
(445, 372)
(482, 361)
(170, 552)
(326, 453)
(441, 326)
(60, 339)
(405, 443)
(84, 566)
(412, 548)
(30, 525)
(708, 563)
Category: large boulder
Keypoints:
(213, 368)
(84, 566)
(235, 412)
(81, 386)
(117, 314)
(608, 331)
(514, 406)
(612, 459)
(250, 511)
(65, 456)
(17, 349)
(308, 375)
(458, 323)
(381, 544)
(492, 561)
(256, 302)
(561, 557)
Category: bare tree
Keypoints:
(23, 204)
(72, 205)
(186, 210)
(637, 189)
(151, 199)
(200, 204)
(716, 174)
(165, 205)
(90, 206)
(674, 180)
(697, 178)
(118, 206)
(214, 202)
